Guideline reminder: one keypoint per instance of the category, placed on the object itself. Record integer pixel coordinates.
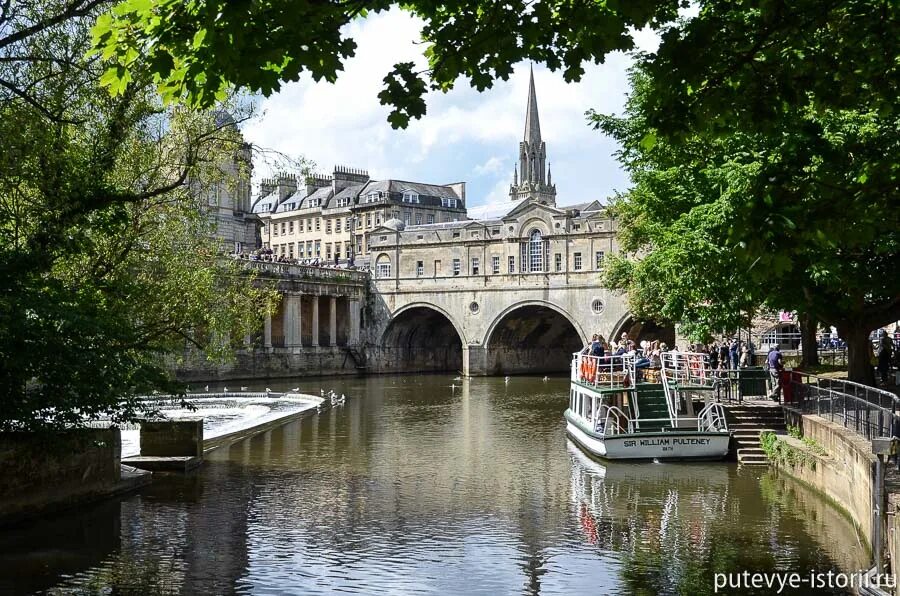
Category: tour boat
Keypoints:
(619, 411)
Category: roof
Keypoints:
(266, 204)
(493, 210)
(420, 188)
(294, 202)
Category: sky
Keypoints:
(465, 136)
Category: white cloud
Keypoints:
(465, 135)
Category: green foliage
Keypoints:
(107, 264)
(754, 184)
(779, 451)
(198, 48)
(795, 431)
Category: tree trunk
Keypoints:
(808, 345)
(859, 354)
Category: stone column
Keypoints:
(315, 320)
(267, 332)
(332, 322)
(474, 361)
(292, 320)
(353, 335)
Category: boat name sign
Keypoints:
(666, 441)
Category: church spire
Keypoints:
(531, 180)
(532, 120)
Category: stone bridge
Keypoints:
(493, 324)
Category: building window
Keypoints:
(420, 268)
(309, 249)
(456, 234)
(410, 197)
(495, 265)
(437, 267)
(495, 231)
(337, 226)
(430, 219)
(378, 218)
(457, 266)
(576, 227)
(599, 256)
(274, 229)
(373, 197)
(474, 234)
(290, 227)
(309, 225)
(557, 261)
(577, 261)
(318, 248)
(597, 306)
(407, 216)
(382, 238)
(282, 227)
(383, 266)
(536, 251)
(328, 251)
(476, 266)
(368, 220)
(512, 264)
(291, 250)
(327, 226)
(318, 224)
(418, 219)
(450, 203)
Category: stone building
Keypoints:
(227, 199)
(328, 217)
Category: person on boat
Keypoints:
(775, 364)
(596, 347)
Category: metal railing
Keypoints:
(867, 411)
(712, 418)
(613, 423)
(603, 372)
(307, 272)
(733, 385)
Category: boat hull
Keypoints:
(674, 445)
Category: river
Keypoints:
(415, 486)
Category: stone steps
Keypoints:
(752, 456)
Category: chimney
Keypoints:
(267, 186)
(460, 189)
(287, 184)
(344, 177)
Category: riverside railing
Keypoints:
(870, 412)
(311, 272)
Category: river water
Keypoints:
(417, 487)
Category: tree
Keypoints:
(107, 264)
(200, 47)
(796, 220)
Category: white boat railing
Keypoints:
(712, 418)
(616, 421)
(603, 372)
(688, 368)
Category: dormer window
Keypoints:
(451, 203)
(343, 202)
(410, 197)
(374, 196)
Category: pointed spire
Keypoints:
(515, 175)
(549, 175)
(532, 122)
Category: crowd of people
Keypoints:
(268, 256)
(727, 354)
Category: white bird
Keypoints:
(452, 387)
(322, 392)
(244, 388)
(457, 378)
(226, 389)
(268, 390)
(546, 379)
(296, 390)
(506, 380)
(206, 388)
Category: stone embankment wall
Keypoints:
(271, 364)
(40, 473)
(846, 474)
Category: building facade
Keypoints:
(328, 217)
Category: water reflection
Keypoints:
(414, 486)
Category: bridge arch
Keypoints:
(422, 337)
(638, 330)
(532, 336)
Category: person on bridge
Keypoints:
(884, 352)
(775, 364)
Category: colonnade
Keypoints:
(311, 320)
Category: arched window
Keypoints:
(535, 252)
(383, 266)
